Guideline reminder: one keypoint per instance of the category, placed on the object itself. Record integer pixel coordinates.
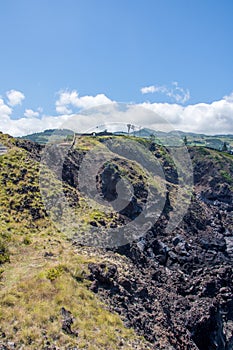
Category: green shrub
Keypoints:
(227, 176)
(54, 272)
(4, 253)
(27, 240)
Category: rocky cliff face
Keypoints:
(175, 289)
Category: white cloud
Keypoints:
(5, 111)
(62, 109)
(29, 113)
(175, 92)
(67, 100)
(229, 98)
(15, 97)
(148, 89)
(24, 126)
(209, 118)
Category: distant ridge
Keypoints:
(213, 141)
(44, 136)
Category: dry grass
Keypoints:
(35, 288)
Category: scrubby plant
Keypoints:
(4, 252)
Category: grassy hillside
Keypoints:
(41, 274)
(47, 279)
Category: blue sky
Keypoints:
(170, 54)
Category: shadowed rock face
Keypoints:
(109, 178)
(131, 200)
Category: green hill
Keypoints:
(47, 135)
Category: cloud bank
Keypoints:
(208, 118)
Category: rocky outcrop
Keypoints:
(177, 290)
(67, 321)
(33, 148)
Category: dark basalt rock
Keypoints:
(175, 289)
(67, 321)
(102, 273)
